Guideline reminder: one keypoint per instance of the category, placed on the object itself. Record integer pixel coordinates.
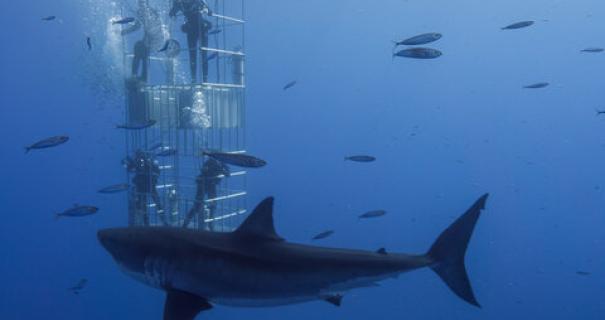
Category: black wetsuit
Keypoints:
(206, 183)
(145, 180)
(196, 28)
(141, 59)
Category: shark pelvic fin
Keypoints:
(259, 223)
(335, 299)
(182, 305)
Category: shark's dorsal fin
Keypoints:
(381, 251)
(335, 299)
(259, 223)
(182, 305)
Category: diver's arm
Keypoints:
(175, 7)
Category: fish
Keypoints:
(518, 25)
(214, 32)
(323, 235)
(79, 286)
(254, 266)
(49, 18)
(165, 46)
(121, 187)
(237, 159)
(420, 39)
(538, 85)
(593, 50)
(419, 53)
(166, 152)
(137, 125)
(583, 273)
(156, 146)
(360, 158)
(600, 112)
(126, 20)
(48, 143)
(89, 43)
(289, 85)
(212, 56)
(77, 211)
(373, 214)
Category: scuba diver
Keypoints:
(207, 181)
(155, 34)
(196, 28)
(146, 175)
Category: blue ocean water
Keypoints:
(444, 132)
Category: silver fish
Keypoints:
(420, 39)
(137, 125)
(115, 188)
(237, 159)
(360, 158)
(518, 25)
(77, 211)
(373, 214)
(123, 20)
(323, 235)
(419, 53)
(48, 143)
(538, 85)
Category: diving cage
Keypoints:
(185, 118)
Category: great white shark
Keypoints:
(253, 266)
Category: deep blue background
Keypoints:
(444, 131)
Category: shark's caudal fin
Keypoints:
(449, 250)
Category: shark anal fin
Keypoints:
(381, 251)
(335, 299)
(259, 223)
(182, 305)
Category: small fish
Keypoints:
(518, 25)
(538, 85)
(137, 126)
(323, 235)
(49, 18)
(89, 43)
(165, 47)
(593, 50)
(215, 31)
(79, 286)
(360, 158)
(289, 85)
(600, 112)
(237, 159)
(166, 152)
(373, 214)
(48, 143)
(156, 146)
(212, 56)
(123, 21)
(420, 39)
(583, 273)
(115, 188)
(77, 211)
(419, 53)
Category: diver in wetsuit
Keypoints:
(196, 28)
(145, 180)
(207, 181)
(140, 60)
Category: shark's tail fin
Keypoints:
(449, 250)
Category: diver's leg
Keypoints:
(192, 39)
(155, 197)
(211, 206)
(141, 199)
(197, 205)
(204, 41)
(145, 62)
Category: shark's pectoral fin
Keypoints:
(381, 251)
(182, 305)
(335, 299)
